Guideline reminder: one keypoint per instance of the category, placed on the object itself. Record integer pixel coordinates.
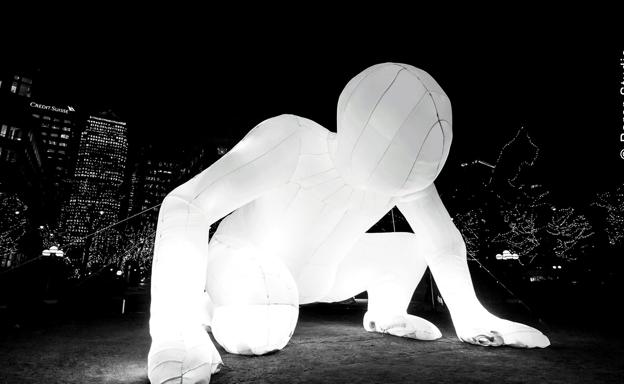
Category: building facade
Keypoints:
(21, 157)
(95, 199)
(58, 130)
(23, 198)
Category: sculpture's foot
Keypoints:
(494, 332)
(402, 325)
(173, 361)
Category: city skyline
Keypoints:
(179, 112)
(564, 95)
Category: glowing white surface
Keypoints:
(301, 199)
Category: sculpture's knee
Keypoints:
(255, 300)
(254, 329)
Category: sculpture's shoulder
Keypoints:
(312, 136)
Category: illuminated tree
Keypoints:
(13, 225)
(569, 231)
(613, 204)
(522, 235)
(471, 224)
(104, 249)
(138, 246)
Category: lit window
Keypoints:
(24, 90)
(15, 133)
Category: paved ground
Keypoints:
(329, 345)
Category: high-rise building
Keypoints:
(21, 160)
(17, 83)
(150, 182)
(155, 173)
(95, 202)
(23, 196)
(21, 167)
(57, 126)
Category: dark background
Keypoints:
(177, 87)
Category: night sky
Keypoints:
(179, 90)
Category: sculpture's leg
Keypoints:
(388, 267)
(181, 349)
(255, 299)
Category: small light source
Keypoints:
(119, 273)
(41, 227)
(17, 212)
(101, 212)
(554, 267)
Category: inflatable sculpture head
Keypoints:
(394, 129)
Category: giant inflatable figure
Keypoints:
(300, 200)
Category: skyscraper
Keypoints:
(57, 127)
(95, 202)
(18, 83)
(21, 156)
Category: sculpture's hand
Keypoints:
(488, 330)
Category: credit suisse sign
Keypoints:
(52, 108)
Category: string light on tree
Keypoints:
(613, 204)
(568, 229)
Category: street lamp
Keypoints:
(53, 251)
(506, 255)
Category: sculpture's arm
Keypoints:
(444, 249)
(264, 159)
